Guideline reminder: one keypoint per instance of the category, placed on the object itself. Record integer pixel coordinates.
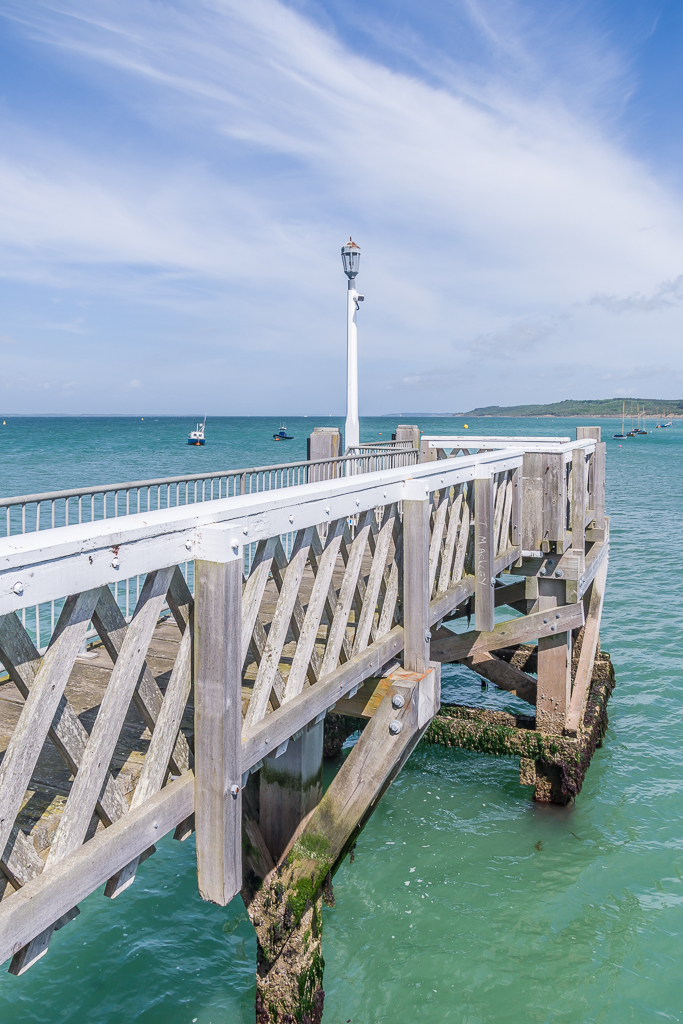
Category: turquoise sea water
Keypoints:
(515, 913)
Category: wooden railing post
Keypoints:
(416, 585)
(599, 466)
(218, 728)
(579, 505)
(554, 663)
(484, 602)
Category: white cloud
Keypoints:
(486, 216)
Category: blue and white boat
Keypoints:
(197, 436)
(282, 434)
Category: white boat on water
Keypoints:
(197, 436)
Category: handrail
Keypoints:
(113, 500)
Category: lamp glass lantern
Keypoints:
(350, 255)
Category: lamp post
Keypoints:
(351, 262)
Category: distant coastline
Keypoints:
(603, 408)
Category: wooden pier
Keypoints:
(268, 624)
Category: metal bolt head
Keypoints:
(395, 728)
(558, 573)
(545, 622)
(234, 791)
(543, 572)
(245, 530)
(115, 563)
(553, 628)
(188, 545)
(397, 701)
(18, 588)
(428, 636)
(291, 519)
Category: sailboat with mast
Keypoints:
(631, 432)
(623, 414)
(640, 429)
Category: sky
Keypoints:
(177, 179)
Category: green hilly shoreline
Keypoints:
(591, 407)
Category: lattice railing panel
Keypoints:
(305, 614)
(133, 707)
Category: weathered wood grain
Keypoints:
(484, 607)
(447, 646)
(218, 727)
(416, 592)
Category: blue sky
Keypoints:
(177, 178)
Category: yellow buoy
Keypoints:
(465, 426)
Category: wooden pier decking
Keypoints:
(340, 597)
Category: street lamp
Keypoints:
(351, 262)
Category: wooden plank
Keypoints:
(500, 486)
(96, 758)
(379, 561)
(553, 688)
(112, 628)
(599, 466)
(279, 627)
(66, 732)
(156, 764)
(444, 604)
(40, 707)
(463, 538)
(416, 592)
(314, 612)
(578, 504)
(337, 631)
(554, 498)
(388, 615)
(505, 559)
(435, 545)
(594, 559)
(484, 554)
(503, 537)
(254, 589)
(459, 646)
(179, 599)
(369, 697)
(278, 726)
(259, 640)
(279, 569)
(589, 646)
(42, 900)
(20, 860)
(516, 518)
(105, 732)
(449, 546)
(218, 726)
(503, 675)
(331, 599)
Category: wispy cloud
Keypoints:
(668, 294)
(254, 141)
(511, 343)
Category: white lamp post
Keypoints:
(351, 262)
